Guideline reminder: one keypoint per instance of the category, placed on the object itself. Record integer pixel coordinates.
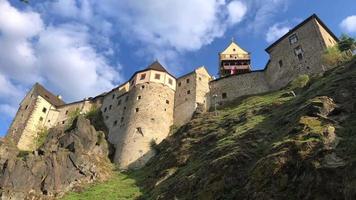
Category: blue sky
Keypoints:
(80, 48)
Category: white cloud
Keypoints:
(69, 63)
(276, 31)
(63, 57)
(237, 11)
(349, 24)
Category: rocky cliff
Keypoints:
(67, 159)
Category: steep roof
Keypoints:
(51, 98)
(233, 48)
(156, 66)
(312, 17)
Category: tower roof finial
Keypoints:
(232, 39)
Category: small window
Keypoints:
(137, 109)
(44, 110)
(66, 112)
(188, 80)
(158, 76)
(26, 107)
(41, 119)
(113, 96)
(110, 107)
(167, 101)
(115, 122)
(125, 108)
(106, 117)
(199, 78)
(138, 97)
(143, 76)
(122, 119)
(234, 49)
(119, 102)
(224, 95)
(179, 84)
(170, 81)
(293, 39)
(280, 62)
(298, 51)
(63, 122)
(142, 87)
(49, 121)
(105, 109)
(188, 92)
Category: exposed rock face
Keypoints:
(68, 158)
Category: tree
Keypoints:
(346, 43)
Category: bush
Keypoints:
(41, 136)
(334, 57)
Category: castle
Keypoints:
(143, 109)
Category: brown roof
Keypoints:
(156, 66)
(314, 16)
(51, 98)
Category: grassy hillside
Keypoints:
(270, 146)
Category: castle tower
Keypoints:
(35, 112)
(139, 113)
(234, 60)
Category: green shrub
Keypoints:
(41, 136)
(334, 57)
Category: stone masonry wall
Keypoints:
(229, 88)
(313, 46)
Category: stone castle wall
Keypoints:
(312, 43)
(226, 89)
(140, 116)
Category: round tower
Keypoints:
(145, 117)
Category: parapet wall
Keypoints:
(226, 89)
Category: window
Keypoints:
(49, 121)
(170, 81)
(187, 80)
(115, 122)
(41, 119)
(143, 76)
(158, 76)
(105, 109)
(44, 110)
(167, 101)
(199, 78)
(113, 96)
(66, 112)
(234, 49)
(188, 92)
(26, 107)
(298, 51)
(293, 39)
(110, 107)
(224, 95)
(125, 108)
(106, 117)
(119, 102)
(138, 97)
(122, 119)
(280, 62)
(179, 84)
(63, 122)
(137, 109)
(142, 87)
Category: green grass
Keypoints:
(119, 187)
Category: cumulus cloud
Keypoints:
(349, 24)
(63, 57)
(71, 65)
(237, 11)
(276, 31)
